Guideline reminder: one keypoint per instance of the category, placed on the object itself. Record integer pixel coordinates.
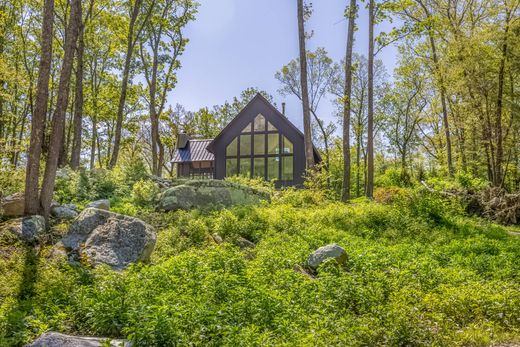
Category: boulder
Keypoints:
(208, 193)
(217, 239)
(27, 229)
(52, 339)
(63, 212)
(244, 243)
(13, 205)
(332, 251)
(103, 237)
(103, 204)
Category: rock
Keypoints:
(103, 237)
(63, 212)
(52, 339)
(327, 252)
(207, 193)
(103, 204)
(217, 238)
(72, 207)
(27, 229)
(13, 205)
(244, 243)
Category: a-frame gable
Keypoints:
(257, 105)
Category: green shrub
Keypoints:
(144, 193)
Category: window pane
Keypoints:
(272, 167)
(245, 145)
(245, 167)
(231, 150)
(287, 168)
(247, 129)
(273, 146)
(271, 127)
(231, 167)
(259, 167)
(259, 124)
(287, 145)
(259, 144)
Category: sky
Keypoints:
(236, 44)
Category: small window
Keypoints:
(245, 167)
(273, 146)
(259, 167)
(231, 150)
(259, 123)
(259, 147)
(247, 129)
(271, 127)
(287, 168)
(273, 164)
(245, 145)
(231, 167)
(286, 145)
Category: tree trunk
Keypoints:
(309, 153)
(370, 127)
(78, 104)
(347, 102)
(32, 202)
(58, 120)
(124, 83)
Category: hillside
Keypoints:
(418, 273)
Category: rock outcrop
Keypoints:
(52, 339)
(103, 237)
(208, 193)
(332, 251)
(103, 204)
(63, 212)
(27, 229)
(13, 205)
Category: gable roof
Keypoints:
(260, 98)
(195, 150)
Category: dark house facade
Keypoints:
(259, 142)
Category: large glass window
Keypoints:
(231, 167)
(245, 167)
(259, 167)
(273, 144)
(260, 151)
(287, 168)
(259, 147)
(245, 145)
(231, 150)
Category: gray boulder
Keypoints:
(244, 243)
(103, 237)
(52, 339)
(63, 212)
(13, 205)
(103, 204)
(27, 229)
(332, 251)
(206, 193)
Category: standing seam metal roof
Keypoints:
(195, 150)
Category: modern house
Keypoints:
(259, 142)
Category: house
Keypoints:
(259, 142)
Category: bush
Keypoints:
(144, 193)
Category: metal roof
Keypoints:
(195, 150)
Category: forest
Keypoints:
(418, 186)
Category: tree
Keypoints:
(370, 141)
(321, 72)
(135, 31)
(58, 120)
(347, 101)
(32, 201)
(309, 153)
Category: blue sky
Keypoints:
(236, 44)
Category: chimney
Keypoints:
(283, 108)
(182, 140)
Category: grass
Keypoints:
(418, 273)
